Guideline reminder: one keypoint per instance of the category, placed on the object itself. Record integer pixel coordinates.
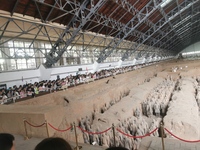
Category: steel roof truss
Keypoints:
(172, 14)
(14, 8)
(112, 45)
(85, 18)
(5, 27)
(31, 28)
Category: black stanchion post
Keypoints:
(162, 135)
(26, 133)
(47, 128)
(113, 129)
(76, 137)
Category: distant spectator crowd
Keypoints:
(14, 93)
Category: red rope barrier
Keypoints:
(195, 141)
(94, 132)
(34, 125)
(59, 129)
(148, 134)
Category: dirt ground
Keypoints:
(103, 105)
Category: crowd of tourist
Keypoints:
(14, 93)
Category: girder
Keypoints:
(170, 30)
(33, 27)
(15, 6)
(171, 15)
(56, 54)
(94, 40)
(58, 5)
(167, 19)
(21, 30)
(144, 36)
(177, 24)
(140, 17)
(194, 34)
(5, 27)
(172, 39)
(100, 19)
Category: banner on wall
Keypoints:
(3, 86)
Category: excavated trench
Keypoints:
(137, 123)
(182, 116)
(135, 107)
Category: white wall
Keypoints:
(109, 65)
(194, 49)
(19, 77)
(127, 63)
(70, 70)
(191, 48)
(140, 60)
(31, 76)
(36, 75)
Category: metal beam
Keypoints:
(141, 36)
(24, 32)
(172, 14)
(115, 25)
(59, 5)
(140, 17)
(171, 39)
(15, 6)
(38, 10)
(85, 14)
(35, 36)
(177, 23)
(19, 22)
(193, 34)
(6, 25)
(43, 21)
(50, 12)
(167, 19)
(26, 8)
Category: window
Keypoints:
(31, 63)
(22, 54)
(13, 65)
(21, 64)
(0, 53)
(165, 2)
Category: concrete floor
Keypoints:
(155, 143)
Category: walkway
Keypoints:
(155, 143)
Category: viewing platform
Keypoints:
(155, 143)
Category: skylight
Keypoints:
(182, 21)
(165, 2)
(190, 53)
(184, 27)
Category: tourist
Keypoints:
(4, 99)
(30, 89)
(53, 143)
(7, 141)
